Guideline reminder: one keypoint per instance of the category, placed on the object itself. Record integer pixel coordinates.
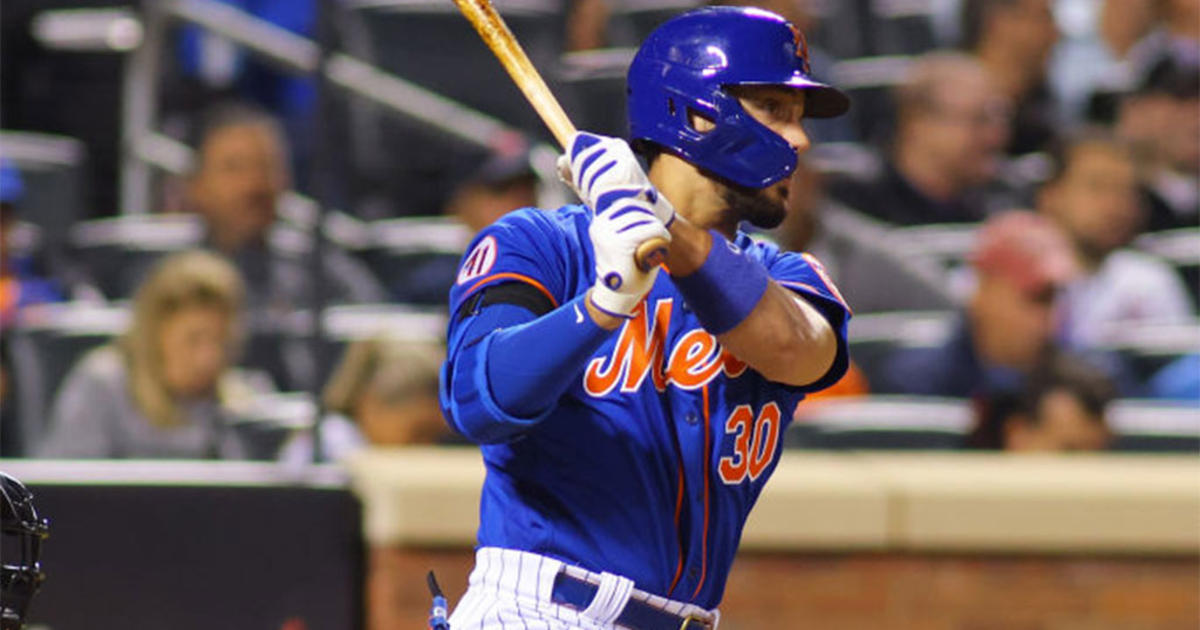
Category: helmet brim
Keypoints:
(821, 100)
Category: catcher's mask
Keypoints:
(23, 533)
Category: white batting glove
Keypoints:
(603, 170)
(616, 234)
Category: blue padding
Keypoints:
(528, 383)
(505, 378)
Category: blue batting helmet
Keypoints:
(685, 65)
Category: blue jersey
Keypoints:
(650, 462)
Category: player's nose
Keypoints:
(794, 135)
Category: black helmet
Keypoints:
(23, 533)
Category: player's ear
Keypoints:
(700, 122)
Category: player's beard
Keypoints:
(755, 206)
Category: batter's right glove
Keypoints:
(616, 233)
(603, 170)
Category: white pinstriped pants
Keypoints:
(511, 590)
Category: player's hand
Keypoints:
(604, 170)
(616, 234)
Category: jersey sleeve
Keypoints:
(803, 274)
(523, 246)
(526, 247)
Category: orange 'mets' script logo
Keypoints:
(641, 351)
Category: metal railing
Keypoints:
(146, 149)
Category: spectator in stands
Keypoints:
(1022, 261)
(210, 66)
(1141, 33)
(384, 392)
(854, 250)
(952, 125)
(1062, 407)
(1178, 380)
(1013, 40)
(587, 25)
(164, 389)
(21, 282)
(1162, 122)
(1093, 198)
(503, 182)
(240, 174)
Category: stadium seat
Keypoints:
(51, 338)
(946, 246)
(416, 257)
(1154, 426)
(118, 252)
(285, 350)
(881, 422)
(52, 172)
(874, 337)
(594, 88)
(347, 324)
(915, 422)
(630, 21)
(859, 28)
(44, 346)
(1182, 249)
(266, 421)
(428, 42)
(1147, 348)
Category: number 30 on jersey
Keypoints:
(755, 439)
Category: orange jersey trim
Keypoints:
(678, 535)
(513, 276)
(707, 457)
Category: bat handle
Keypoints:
(651, 253)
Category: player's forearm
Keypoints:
(781, 336)
(784, 338)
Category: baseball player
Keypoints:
(628, 419)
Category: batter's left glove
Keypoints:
(603, 170)
(616, 234)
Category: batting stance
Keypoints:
(629, 419)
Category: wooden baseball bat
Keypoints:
(504, 45)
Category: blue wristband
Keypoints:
(724, 290)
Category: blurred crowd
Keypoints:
(1012, 210)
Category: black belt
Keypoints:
(637, 614)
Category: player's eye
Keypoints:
(771, 106)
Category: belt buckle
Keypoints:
(687, 621)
